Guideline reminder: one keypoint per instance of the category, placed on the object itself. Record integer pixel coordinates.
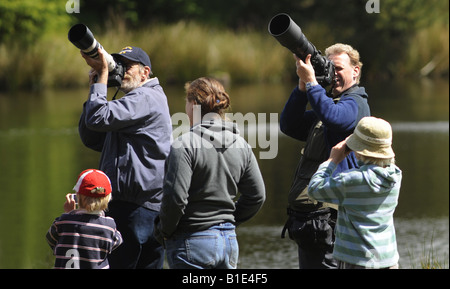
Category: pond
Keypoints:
(41, 156)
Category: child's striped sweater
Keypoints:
(367, 198)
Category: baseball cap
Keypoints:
(372, 138)
(135, 54)
(93, 183)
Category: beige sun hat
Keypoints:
(372, 138)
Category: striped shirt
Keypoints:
(367, 198)
(81, 240)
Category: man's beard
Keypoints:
(129, 84)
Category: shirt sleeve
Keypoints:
(295, 120)
(340, 116)
(103, 115)
(323, 187)
(52, 236)
(90, 138)
(117, 240)
(176, 186)
(252, 190)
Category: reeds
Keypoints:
(184, 51)
(178, 52)
(428, 51)
(429, 259)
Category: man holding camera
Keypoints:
(332, 118)
(133, 134)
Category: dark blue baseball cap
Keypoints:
(135, 54)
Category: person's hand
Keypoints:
(301, 83)
(70, 203)
(99, 66)
(93, 75)
(305, 70)
(339, 152)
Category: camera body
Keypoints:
(82, 38)
(74, 198)
(289, 34)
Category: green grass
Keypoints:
(428, 258)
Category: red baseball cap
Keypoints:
(93, 183)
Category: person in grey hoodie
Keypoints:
(206, 169)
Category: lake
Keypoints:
(42, 155)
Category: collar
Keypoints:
(83, 211)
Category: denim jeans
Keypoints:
(139, 249)
(216, 248)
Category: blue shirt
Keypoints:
(339, 118)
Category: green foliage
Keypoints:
(399, 15)
(381, 38)
(189, 38)
(26, 20)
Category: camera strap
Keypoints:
(115, 95)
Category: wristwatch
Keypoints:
(311, 84)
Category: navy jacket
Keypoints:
(134, 134)
(339, 119)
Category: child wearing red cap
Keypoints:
(83, 238)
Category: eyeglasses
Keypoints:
(128, 65)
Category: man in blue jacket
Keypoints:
(332, 118)
(134, 135)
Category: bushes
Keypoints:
(26, 21)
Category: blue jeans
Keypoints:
(216, 248)
(139, 249)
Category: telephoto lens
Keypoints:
(82, 38)
(289, 34)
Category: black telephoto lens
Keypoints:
(289, 34)
(82, 37)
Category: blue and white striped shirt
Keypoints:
(83, 240)
(367, 198)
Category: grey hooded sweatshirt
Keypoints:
(205, 170)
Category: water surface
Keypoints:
(41, 156)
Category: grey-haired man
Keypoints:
(134, 134)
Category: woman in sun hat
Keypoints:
(83, 238)
(366, 196)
